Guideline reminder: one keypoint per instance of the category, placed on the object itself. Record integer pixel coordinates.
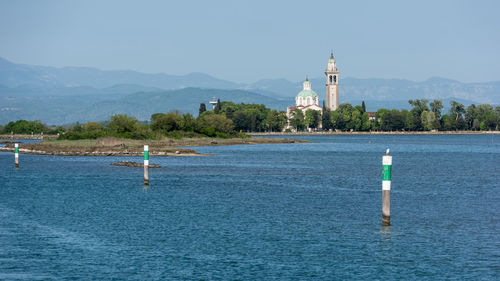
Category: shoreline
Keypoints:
(27, 137)
(128, 147)
(376, 133)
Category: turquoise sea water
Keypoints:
(262, 212)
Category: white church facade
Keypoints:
(307, 99)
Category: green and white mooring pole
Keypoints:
(146, 165)
(386, 188)
(16, 154)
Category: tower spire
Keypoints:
(332, 91)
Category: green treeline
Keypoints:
(172, 124)
(27, 127)
(423, 116)
(228, 119)
(224, 121)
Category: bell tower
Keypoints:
(332, 84)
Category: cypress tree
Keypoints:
(326, 123)
(217, 107)
(203, 108)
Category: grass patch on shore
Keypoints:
(200, 141)
(119, 146)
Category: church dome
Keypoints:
(307, 96)
(307, 91)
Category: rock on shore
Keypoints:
(134, 164)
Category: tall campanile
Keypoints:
(332, 84)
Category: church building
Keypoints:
(308, 99)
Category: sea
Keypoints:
(301, 211)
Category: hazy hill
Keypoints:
(62, 95)
(13, 75)
(62, 109)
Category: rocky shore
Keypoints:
(134, 164)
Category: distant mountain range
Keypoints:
(70, 94)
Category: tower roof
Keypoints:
(332, 59)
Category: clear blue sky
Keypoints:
(245, 41)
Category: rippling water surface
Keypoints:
(278, 211)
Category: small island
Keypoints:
(128, 147)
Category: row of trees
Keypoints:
(423, 116)
(248, 117)
(25, 127)
(172, 124)
(228, 119)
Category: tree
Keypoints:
(363, 106)
(457, 109)
(312, 119)
(219, 122)
(297, 120)
(171, 121)
(436, 107)
(241, 122)
(92, 126)
(355, 122)
(249, 117)
(326, 121)
(428, 120)
(470, 116)
(229, 113)
(344, 122)
(275, 120)
(217, 107)
(77, 128)
(476, 125)
(491, 121)
(202, 109)
(449, 122)
(189, 123)
(419, 106)
(393, 120)
(121, 123)
(379, 118)
(24, 127)
(365, 122)
(336, 120)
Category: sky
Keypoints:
(245, 41)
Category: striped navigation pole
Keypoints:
(146, 165)
(16, 154)
(386, 188)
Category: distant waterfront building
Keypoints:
(305, 100)
(213, 102)
(308, 99)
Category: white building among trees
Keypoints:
(307, 99)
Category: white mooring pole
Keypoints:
(386, 188)
(146, 165)
(16, 155)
